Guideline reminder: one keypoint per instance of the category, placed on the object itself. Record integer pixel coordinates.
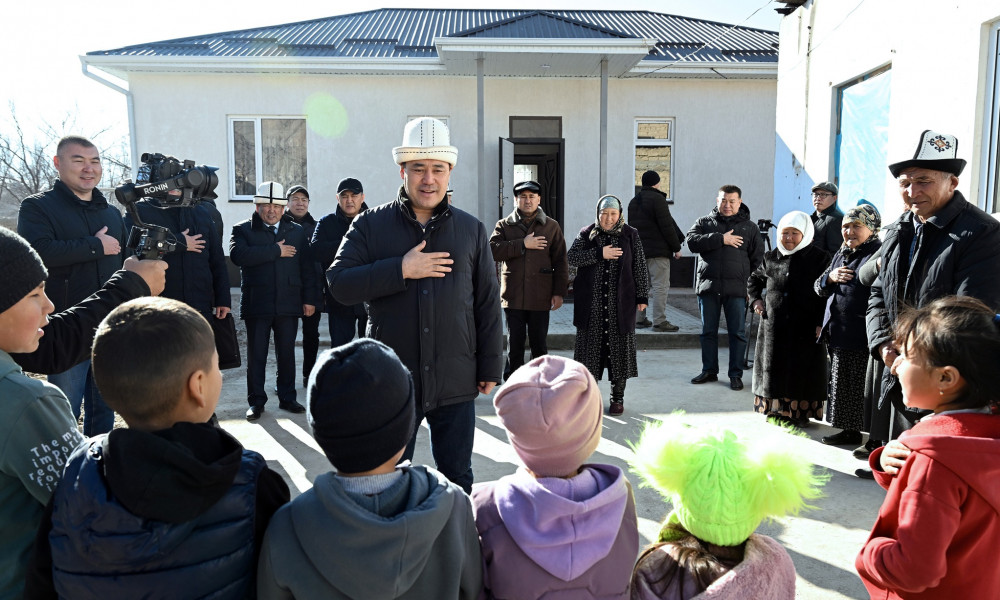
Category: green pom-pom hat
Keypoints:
(720, 487)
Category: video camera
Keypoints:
(174, 184)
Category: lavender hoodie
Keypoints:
(553, 537)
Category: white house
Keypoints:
(583, 101)
(859, 82)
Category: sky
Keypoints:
(43, 40)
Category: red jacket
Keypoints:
(938, 530)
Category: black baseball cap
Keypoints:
(350, 183)
(527, 185)
(297, 188)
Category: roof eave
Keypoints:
(705, 70)
(122, 66)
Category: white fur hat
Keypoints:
(426, 138)
(270, 192)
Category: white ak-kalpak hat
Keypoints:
(428, 139)
(270, 192)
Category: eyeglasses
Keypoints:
(815, 195)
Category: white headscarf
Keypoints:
(796, 220)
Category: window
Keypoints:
(535, 127)
(266, 149)
(654, 142)
(990, 179)
(862, 138)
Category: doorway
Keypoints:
(539, 158)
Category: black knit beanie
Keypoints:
(360, 405)
(650, 178)
(21, 266)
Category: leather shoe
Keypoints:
(292, 407)
(735, 384)
(643, 324)
(616, 408)
(705, 378)
(847, 437)
(254, 412)
(864, 473)
(665, 327)
(862, 452)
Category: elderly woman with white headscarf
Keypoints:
(611, 285)
(789, 370)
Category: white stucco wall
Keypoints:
(724, 132)
(937, 52)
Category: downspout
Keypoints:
(484, 195)
(130, 107)
(604, 127)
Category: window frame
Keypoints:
(656, 143)
(989, 178)
(258, 149)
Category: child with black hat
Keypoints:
(371, 529)
(37, 428)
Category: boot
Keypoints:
(617, 397)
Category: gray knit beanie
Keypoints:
(21, 266)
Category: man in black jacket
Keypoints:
(79, 237)
(729, 248)
(278, 287)
(298, 210)
(827, 217)
(649, 214)
(942, 245)
(344, 321)
(426, 271)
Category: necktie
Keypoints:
(274, 230)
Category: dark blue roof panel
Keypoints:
(410, 33)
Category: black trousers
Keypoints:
(344, 324)
(536, 324)
(258, 342)
(310, 342)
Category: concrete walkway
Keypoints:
(823, 542)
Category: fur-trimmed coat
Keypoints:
(788, 361)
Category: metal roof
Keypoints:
(399, 34)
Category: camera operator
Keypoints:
(197, 275)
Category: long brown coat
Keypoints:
(529, 278)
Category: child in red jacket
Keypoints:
(938, 530)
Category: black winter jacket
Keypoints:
(958, 255)
(789, 362)
(70, 333)
(847, 303)
(272, 286)
(724, 269)
(183, 508)
(61, 228)
(446, 330)
(649, 214)
(199, 279)
(828, 225)
(308, 224)
(326, 240)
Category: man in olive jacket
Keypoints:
(425, 269)
(729, 248)
(649, 214)
(534, 274)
